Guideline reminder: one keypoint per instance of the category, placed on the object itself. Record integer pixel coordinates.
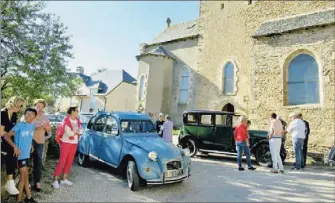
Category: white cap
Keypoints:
(161, 114)
(278, 117)
(293, 114)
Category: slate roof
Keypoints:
(158, 51)
(107, 80)
(320, 18)
(176, 32)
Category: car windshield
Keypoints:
(85, 118)
(137, 126)
(54, 118)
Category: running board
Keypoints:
(217, 152)
(96, 158)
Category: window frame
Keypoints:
(212, 120)
(102, 116)
(224, 92)
(117, 126)
(182, 76)
(141, 91)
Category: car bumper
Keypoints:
(164, 180)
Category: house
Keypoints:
(167, 68)
(106, 90)
(259, 57)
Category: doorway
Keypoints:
(229, 108)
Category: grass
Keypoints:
(175, 132)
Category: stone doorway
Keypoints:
(229, 108)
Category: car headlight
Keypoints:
(152, 156)
(187, 152)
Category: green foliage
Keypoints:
(34, 53)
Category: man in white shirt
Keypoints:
(297, 129)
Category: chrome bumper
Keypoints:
(168, 180)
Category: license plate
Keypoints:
(174, 173)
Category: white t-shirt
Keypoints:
(297, 128)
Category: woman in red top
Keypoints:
(242, 143)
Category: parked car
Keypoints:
(84, 119)
(213, 132)
(55, 120)
(129, 141)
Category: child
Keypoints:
(23, 136)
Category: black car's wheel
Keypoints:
(263, 155)
(83, 160)
(190, 145)
(133, 178)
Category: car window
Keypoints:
(85, 118)
(191, 119)
(206, 119)
(90, 123)
(223, 120)
(99, 125)
(137, 126)
(110, 125)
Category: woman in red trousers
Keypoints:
(67, 136)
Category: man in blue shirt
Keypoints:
(23, 136)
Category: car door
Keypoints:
(96, 135)
(206, 131)
(223, 131)
(111, 146)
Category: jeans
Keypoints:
(298, 145)
(240, 147)
(275, 146)
(37, 161)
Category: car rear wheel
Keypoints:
(190, 145)
(263, 155)
(133, 178)
(83, 160)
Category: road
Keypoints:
(214, 179)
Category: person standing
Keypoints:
(297, 129)
(304, 149)
(8, 121)
(242, 143)
(22, 146)
(42, 125)
(275, 140)
(70, 130)
(159, 124)
(167, 129)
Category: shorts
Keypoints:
(23, 163)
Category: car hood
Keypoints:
(165, 150)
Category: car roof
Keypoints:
(209, 112)
(126, 115)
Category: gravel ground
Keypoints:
(214, 179)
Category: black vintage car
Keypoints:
(213, 132)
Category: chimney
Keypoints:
(168, 21)
(80, 69)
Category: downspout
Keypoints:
(105, 103)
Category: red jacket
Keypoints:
(61, 127)
(241, 132)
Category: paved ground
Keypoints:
(214, 179)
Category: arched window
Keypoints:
(184, 85)
(303, 80)
(228, 78)
(141, 91)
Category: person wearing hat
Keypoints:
(297, 129)
(159, 123)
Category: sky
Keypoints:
(108, 34)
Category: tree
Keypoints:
(34, 52)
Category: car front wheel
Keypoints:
(190, 145)
(83, 160)
(263, 155)
(133, 178)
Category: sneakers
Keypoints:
(274, 171)
(241, 169)
(10, 187)
(251, 168)
(55, 185)
(37, 187)
(31, 200)
(66, 182)
(281, 171)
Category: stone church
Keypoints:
(247, 57)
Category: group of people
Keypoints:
(164, 127)
(278, 129)
(24, 141)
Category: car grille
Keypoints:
(172, 165)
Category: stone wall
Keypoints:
(225, 30)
